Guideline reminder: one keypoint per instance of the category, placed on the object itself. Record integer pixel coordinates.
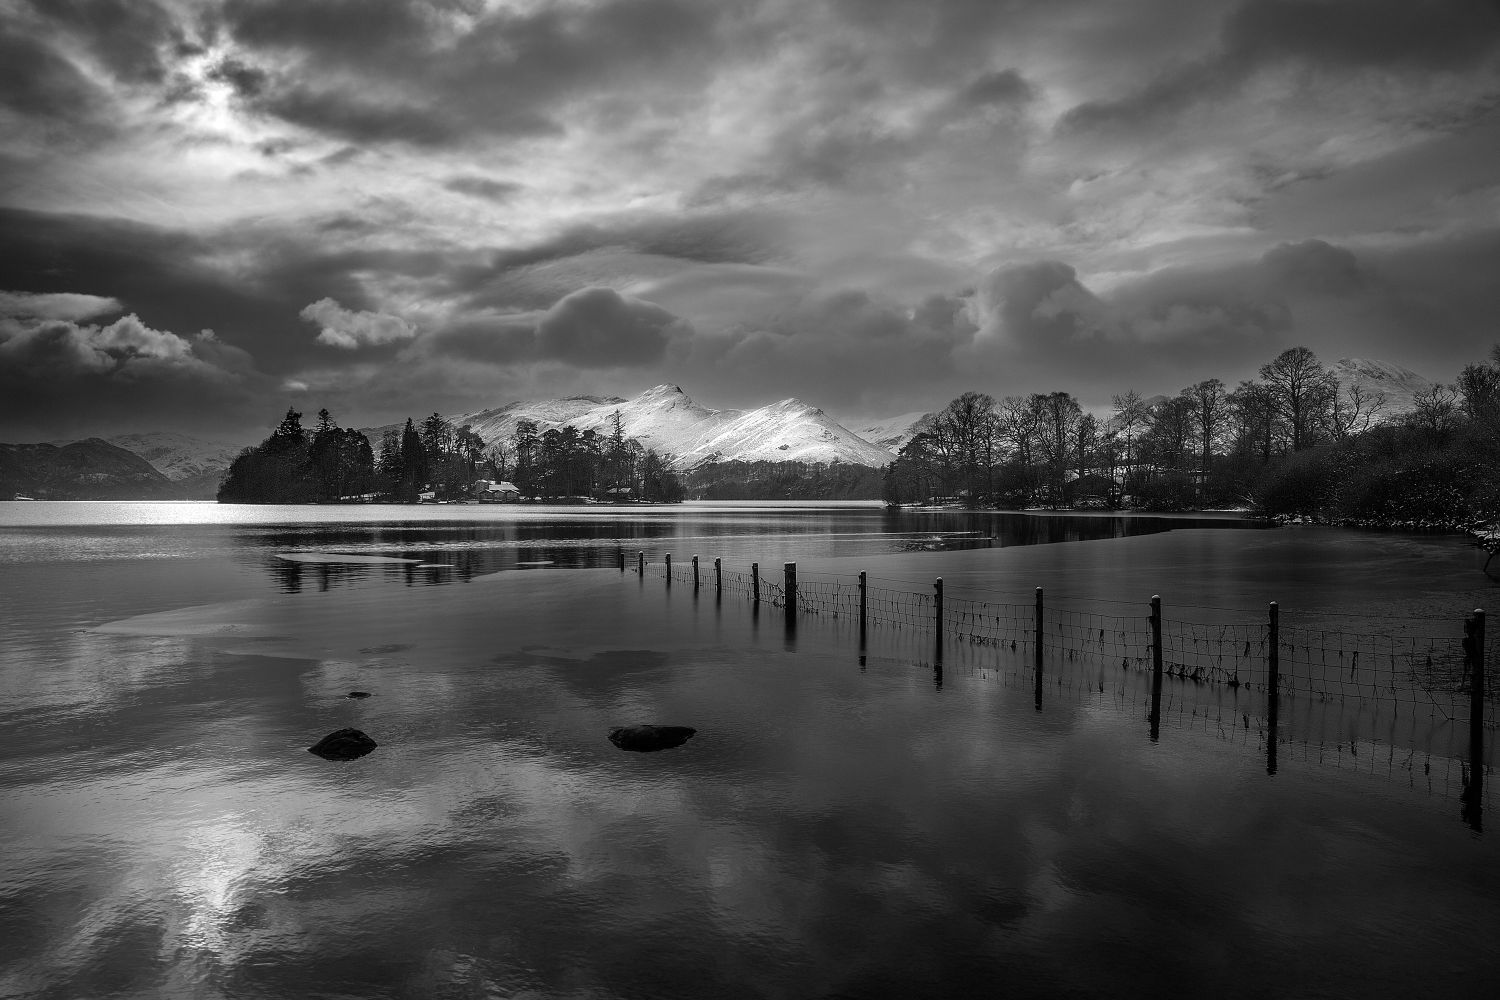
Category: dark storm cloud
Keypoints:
(126, 36)
(1322, 35)
(1314, 266)
(389, 71)
(484, 187)
(843, 349)
(247, 80)
(500, 340)
(60, 374)
(37, 82)
(999, 87)
(177, 279)
(600, 328)
(704, 238)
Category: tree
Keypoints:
(1058, 415)
(963, 434)
(1132, 417)
(1354, 410)
(1435, 411)
(524, 444)
(276, 471)
(1302, 391)
(1480, 387)
(413, 465)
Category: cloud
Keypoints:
(384, 71)
(484, 188)
(600, 328)
(1314, 266)
(126, 348)
(56, 305)
(1326, 37)
(1040, 301)
(1004, 86)
(350, 329)
(60, 376)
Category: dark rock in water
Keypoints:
(648, 738)
(359, 694)
(343, 744)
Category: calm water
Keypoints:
(834, 829)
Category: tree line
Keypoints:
(434, 458)
(1293, 442)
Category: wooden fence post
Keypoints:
(1473, 794)
(789, 571)
(669, 569)
(640, 563)
(755, 582)
(1155, 666)
(718, 575)
(622, 560)
(1036, 649)
(1273, 684)
(864, 607)
(937, 602)
(695, 572)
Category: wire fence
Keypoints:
(1333, 685)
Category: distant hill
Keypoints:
(1398, 385)
(668, 420)
(197, 466)
(92, 469)
(893, 433)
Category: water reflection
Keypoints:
(449, 552)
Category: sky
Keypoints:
(211, 211)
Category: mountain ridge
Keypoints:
(669, 421)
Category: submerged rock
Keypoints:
(648, 738)
(343, 744)
(359, 694)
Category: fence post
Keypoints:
(1273, 697)
(1036, 649)
(695, 572)
(755, 582)
(622, 560)
(669, 569)
(640, 564)
(864, 607)
(1155, 666)
(1473, 794)
(789, 571)
(937, 602)
(718, 575)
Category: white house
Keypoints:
(496, 492)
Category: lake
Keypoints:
(891, 819)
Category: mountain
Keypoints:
(1399, 385)
(893, 433)
(667, 420)
(178, 456)
(195, 465)
(92, 469)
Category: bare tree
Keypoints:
(1354, 410)
(1435, 410)
(1210, 407)
(1302, 391)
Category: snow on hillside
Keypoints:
(178, 456)
(893, 433)
(669, 421)
(1399, 385)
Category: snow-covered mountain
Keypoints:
(1399, 385)
(668, 420)
(178, 456)
(893, 433)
